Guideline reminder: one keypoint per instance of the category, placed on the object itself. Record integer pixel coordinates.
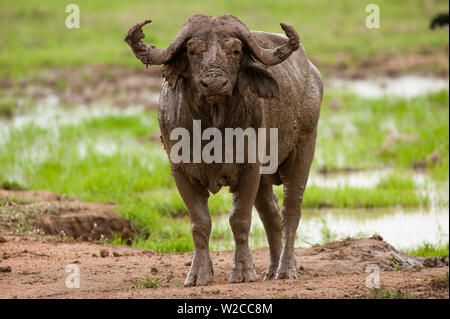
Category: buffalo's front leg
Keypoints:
(196, 200)
(240, 221)
(267, 205)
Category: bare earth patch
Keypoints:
(335, 270)
(47, 213)
(390, 65)
(116, 85)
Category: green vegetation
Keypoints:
(381, 293)
(13, 200)
(364, 133)
(429, 250)
(148, 283)
(11, 185)
(34, 35)
(168, 201)
(7, 108)
(325, 231)
(443, 278)
(394, 264)
(354, 197)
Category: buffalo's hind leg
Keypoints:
(201, 272)
(294, 179)
(266, 204)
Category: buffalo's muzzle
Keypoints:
(214, 85)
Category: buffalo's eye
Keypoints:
(236, 52)
(232, 46)
(192, 52)
(194, 49)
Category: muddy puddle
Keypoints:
(44, 113)
(402, 228)
(362, 179)
(406, 86)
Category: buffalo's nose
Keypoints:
(215, 84)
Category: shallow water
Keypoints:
(51, 115)
(363, 179)
(402, 228)
(407, 86)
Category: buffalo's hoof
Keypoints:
(243, 271)
(286, 275)
(201, 272)
(285, 271)
(270, 273)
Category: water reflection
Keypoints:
(407, 86)
(402, 228)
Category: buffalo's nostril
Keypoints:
(204, 84)
(225, 81)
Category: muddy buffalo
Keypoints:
(219, 72)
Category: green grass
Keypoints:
(34, 35)
(356, 133)
(394, 264)
(401, 192)
(148, 283)
(7, 108)
(11, 185)
(381, 293)
(430, 250)
(442, 279)
(353, 197)
(13, 200)
(327, 234)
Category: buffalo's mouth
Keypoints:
(215, 99)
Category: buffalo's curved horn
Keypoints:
(275, 55)
(149, 55)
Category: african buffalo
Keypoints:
(217, 71)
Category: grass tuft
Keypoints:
(429, 250)
(148, 283)
(381, 293)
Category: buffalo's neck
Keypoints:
(231, 113)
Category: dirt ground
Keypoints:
(57, 231)
(35, 268)
(47, 213)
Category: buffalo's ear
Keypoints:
(173, 70)
(259, 81)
